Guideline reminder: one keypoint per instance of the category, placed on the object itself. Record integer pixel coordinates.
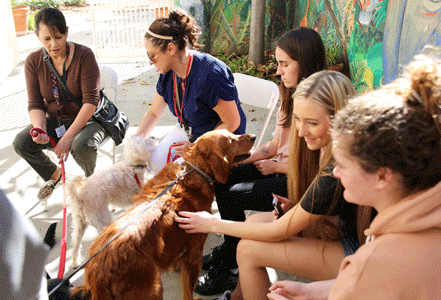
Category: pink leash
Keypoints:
(34, 132)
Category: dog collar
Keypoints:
(209, 179)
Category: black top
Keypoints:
(318, 201)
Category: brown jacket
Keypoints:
(83, 81)
(403, 259)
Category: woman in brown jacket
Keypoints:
(52, 110)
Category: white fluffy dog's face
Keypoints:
(137, 150)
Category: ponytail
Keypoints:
(178, 28)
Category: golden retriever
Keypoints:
(130, 267)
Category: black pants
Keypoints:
(84, 147)
(247, 189)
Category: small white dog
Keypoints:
(89, 198)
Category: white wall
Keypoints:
(9, 54)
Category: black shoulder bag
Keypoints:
(114, 122)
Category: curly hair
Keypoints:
(179, 25)
(398, 126)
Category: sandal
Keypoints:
(48, 188)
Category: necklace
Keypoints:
(55, 90)
(179, 105)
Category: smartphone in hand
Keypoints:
(278, 207)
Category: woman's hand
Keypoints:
(266, 166)
(180, 147)
(291, 290)
(63, 147)
(294, 290)
(285, 202)
(41, 138)
(196, 222)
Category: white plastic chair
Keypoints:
(257, 92)
(109, 81)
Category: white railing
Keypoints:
(119, 26)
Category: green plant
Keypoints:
(74, 2)
(333, 54)
(31, 21)
(240, 64)
(37, 4)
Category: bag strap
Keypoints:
(48, 61)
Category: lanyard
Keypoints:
(178, 105)
(55, 90)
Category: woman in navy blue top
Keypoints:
(198, 88)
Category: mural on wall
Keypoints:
(227, 28)
(376, 37)
(352, 31)
(410, 25)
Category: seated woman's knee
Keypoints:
(18, 145)
(20, 141)
(246, 249)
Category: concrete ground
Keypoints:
(135, 93)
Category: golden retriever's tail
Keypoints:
(72, 189)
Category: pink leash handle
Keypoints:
(34, 132)
(170, 157)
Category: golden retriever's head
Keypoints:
(216, 151)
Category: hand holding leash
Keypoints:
(38, 138)
(38, 132)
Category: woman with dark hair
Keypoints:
(197, 87)
(52, 110)
(299, 53)
(387, 148)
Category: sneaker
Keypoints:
(216, 281)
(218, 254)
(225, 296)
(48, 188)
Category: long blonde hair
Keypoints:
(330, 90)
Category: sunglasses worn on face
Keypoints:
(152, 57)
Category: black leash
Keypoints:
(165, 190)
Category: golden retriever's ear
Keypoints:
(208, 155)
(219, 163)
(220, 167)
